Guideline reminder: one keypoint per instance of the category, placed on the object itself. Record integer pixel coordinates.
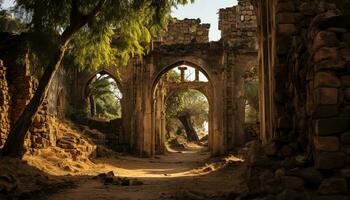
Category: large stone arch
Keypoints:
(206, 90)
(162, 92)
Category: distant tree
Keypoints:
(58, 25)
(9, 24)
(104, 97)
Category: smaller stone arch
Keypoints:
(196, 63)
(103, 71)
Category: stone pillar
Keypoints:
(197, 75)
(182, 69)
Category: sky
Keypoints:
(206, 10)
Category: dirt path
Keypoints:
(184, 175)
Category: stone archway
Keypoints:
(162, 91)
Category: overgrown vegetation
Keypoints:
(185, 102)
(105, 97)
(85, 29)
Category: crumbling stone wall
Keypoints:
(4, 105)
(21, 87)
(186, 31)
(304, 74)
(238, 22)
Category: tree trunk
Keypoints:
(92, 106)
(15, 141)
(190, 131)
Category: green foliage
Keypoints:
(107, 97)
(112, 29)
(251, 90)
(8, 24)
(77, 114)
(191, 102)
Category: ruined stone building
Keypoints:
(300, 47)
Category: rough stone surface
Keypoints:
(331, 126)
(329, 160)
(333, 186)
(326, 143)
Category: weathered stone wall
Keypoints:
(186, 31)
(21, 88)
(4, 105)
(238, 22)
(304, 74)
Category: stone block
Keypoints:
(345, 138)
(326, 143)
(326, 53)
(326, 96)
(325, 39)
(331, 126)
(287, 29)
(292, 182)
(330, 65)
(345, 54)
(286, 7)
(326, 79)
(333, 186)
(347, 94)
(345, 80)
(329, 160)
(322, 111)
(287, 18)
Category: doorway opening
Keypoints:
(182, 110)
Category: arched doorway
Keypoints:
(182, 81)
(104, 96)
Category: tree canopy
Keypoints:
(114, 30)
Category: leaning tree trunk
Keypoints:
(190, 131)
(15, 141)
(92, 106)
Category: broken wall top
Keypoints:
(186, 31)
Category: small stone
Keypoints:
(325, 39)
(326, 79)
(311, 177)
(345, 138)
(287, 151)
(345, 80)
(292, 182)
(287, 29)
(329, 160)
(280, 172)
(326, 96)
(125, 182)
(331, 126)
(326, 143)
(345, 173)
(347, 94)
(325, 53)
(330, 65)
(271, 149)
(345, 53)
(333, 186)
(289, 194)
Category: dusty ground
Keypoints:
(177, 175)
(69, 170)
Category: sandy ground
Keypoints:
(189, 174)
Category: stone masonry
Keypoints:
(4, 105)
(186, 31)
